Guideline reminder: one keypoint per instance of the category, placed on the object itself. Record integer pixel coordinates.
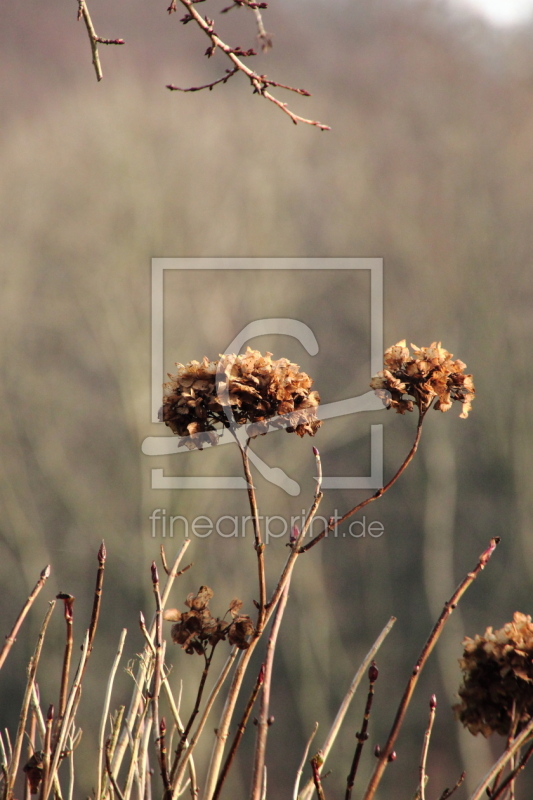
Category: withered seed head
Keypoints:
(196, 628)
(497, 689)
(251, 389)
(430, 373)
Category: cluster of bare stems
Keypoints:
(151, 742)
(260, 83)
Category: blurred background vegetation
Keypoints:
(428, 165)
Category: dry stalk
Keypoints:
(425, 748)
(263, 721)
(512, 775)
(308, 790)
(239, 733)
(47, 750)
(426, 651)
(143, 666)
(362, 736)
(105, 712)
(68, 602)
(448, 792)
(303, 762)
(504, 759)
(316, 763)
(32, 669)
(259, 545)
(336, 522)
(260, 83)
(12, 636)
(68, 718)
(203, 719)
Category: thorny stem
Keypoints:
(259, 545)
(239, 734)
(335, 522)
(11, 637)
(362, 736)
(259, 82)
(263, 721)
(426, 651)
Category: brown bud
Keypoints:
(377, 751)
(433, 702)
(373, 672)
(392, 756)
(155, 574)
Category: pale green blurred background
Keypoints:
(428, 165)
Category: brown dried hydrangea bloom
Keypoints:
(429, 373)
(497, 689)
(252, 389)
(196, 628)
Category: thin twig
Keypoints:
(316, 764)
(362, 736)
(258, 82)
(426, 651)
(83, 11)
(32, 669)
(303, 763)
(425, 748)
(11, 637)
(162, 750)
(259, 545)
(341, 713)
(70, 711)
(239, 733)
(512, 775)
(114, 784)
(165, 565)
(448, 792)
(224, 79)
(143, 666)
(187, 756)
(105, 712)
(380, 492)
(47, 749)
(68, 602)
(263, 721)
(102, 555)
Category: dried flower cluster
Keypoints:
(497, 690)
(197, 627)
(251, 387)
(430, 373)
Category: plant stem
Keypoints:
(259, 545)
(361, 737)
(378, 494)
(425, 748)
(105, 712)
(426, 651)
(12, 636)
(263, 721)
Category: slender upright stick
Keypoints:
(239, 733)
(259, 545)
(303, 763)
(341, 713)
(32, 670)
(426, 651)
(316, 763)
(141, 672)
(68, 601)
(425, 748)
(263, 720)
(105, 712)
(362, 736)
(12, 636)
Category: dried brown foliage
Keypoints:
(430, 373)
(249, 388)
(197, 627)
(497, 690)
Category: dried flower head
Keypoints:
(196, 628)
(429, 373)
(249, 388)
(497, 689)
